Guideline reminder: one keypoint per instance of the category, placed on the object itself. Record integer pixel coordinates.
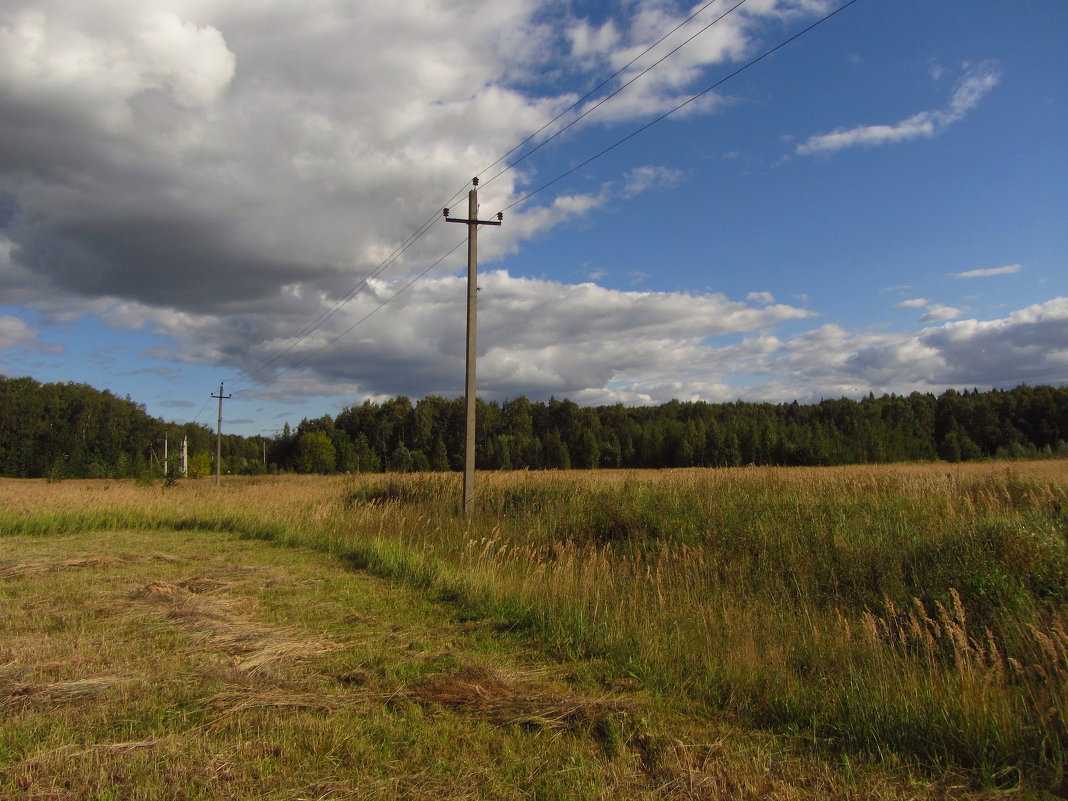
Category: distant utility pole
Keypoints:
(472, 222)
(218, 438)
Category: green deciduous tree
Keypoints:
(316, 453)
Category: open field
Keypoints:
(877, 632)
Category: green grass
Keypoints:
(143, 676)
(178, 664)
(904, 615)
(916, 615)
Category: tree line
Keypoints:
(74, 430)
(67, 430)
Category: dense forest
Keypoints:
(73, 430)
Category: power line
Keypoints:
(426, 226)
(619, 142)
(309, 329)
(681, 106)
(327, 314)
(366, 317)
(202, 408)
(321, 319)
(593, 91)
(608, 97)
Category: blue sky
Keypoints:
(186, 187)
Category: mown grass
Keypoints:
(155, 665)
(907, 613)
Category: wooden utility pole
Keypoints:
(472, 222)
(218, 438)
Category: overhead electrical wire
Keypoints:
(367, 316)
(422, 230)
(315, 324)
(202, 408)
(321, 319)
(679, 107)
(623, 86)
(596, 89)
(309, 329)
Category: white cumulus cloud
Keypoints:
(1008, 269)
(14, 332)
(537, 337)
(976, 83)
(1028, 346)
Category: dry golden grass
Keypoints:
(149, 651)
(311, 499)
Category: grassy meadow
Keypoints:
(868, 632)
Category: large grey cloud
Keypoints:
(186, 155)
(219, 158)
(194, 155)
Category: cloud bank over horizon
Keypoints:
(542, 338)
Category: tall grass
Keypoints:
(904, 611)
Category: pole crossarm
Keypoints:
(474, 222)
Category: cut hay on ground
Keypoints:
(47, 565)
(78, 690)
(209, 615)
(509, 700)
(226, 704)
